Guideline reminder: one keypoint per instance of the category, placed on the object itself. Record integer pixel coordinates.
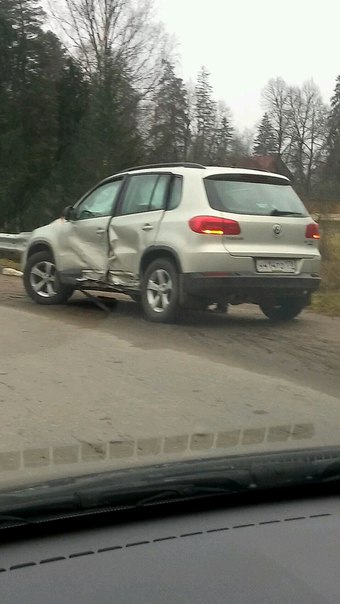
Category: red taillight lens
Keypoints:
(312, 231)
(212, 225)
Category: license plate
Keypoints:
(268, 265)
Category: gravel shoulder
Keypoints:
(78, 384)
(305, 351)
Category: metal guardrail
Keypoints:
(13, 245)
(325, 217)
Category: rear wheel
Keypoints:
(42, 282)
(160, 291)
(283, 310)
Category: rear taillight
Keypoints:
(212, 225)
(312, 231)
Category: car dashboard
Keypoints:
(269, 552)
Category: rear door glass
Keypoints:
(175, 193)
(159, 193)
(144, 193)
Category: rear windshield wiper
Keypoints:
(284, 213)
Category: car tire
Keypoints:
(42, 282)
(160, 291)
(284, 310)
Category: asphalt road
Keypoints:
(79, 386)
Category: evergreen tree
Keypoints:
(222, 137)
(265, 142)
(331, 173)
(28, 134)
(169, 132)
(72, 96)
(334, 116)
(205, 118)
(109, 137)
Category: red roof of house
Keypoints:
(267, 163)
(262, 162)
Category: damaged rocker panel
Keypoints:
(110, 278)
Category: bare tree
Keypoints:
(120, 32)
(275, 99)
(298, 116)
(307, 120)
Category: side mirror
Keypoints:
(67, 213)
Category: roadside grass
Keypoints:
(6, 262)
(326, 303)
(327, 300)
(330, 252)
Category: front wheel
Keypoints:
(42, 282)
(284, 310)
(160, 291)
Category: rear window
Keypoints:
(252, 194)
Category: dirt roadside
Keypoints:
(306, 351)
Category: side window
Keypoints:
(159, 193)
(99, 202)
(145, 192)
(175, 193)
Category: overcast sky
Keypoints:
(245, 42)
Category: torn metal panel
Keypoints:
(108, 250)
(128, 237)
(88, 256)
(121, 278)
(90, 275)
(84, 245)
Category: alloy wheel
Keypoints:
(43, 279)
(159, 290)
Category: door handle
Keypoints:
(100, 231)
(147, 227)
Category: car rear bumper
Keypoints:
(246, 286)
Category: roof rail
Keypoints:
(166, 165)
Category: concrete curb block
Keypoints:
(150, 446)
(10, 272)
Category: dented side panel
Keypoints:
(108, 249)
(84, 245)
(129, 236)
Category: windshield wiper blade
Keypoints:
(180, 492)
(170, 482)
(114, 494)
(285, 213)
(8, 520)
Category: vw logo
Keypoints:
(277, 228)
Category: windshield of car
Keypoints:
(169, 250)
(264, 196)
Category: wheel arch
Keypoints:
(39, 246)
(155, 252)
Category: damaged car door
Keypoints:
(135, 225)
(84, 237)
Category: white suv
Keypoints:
(181, 235)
